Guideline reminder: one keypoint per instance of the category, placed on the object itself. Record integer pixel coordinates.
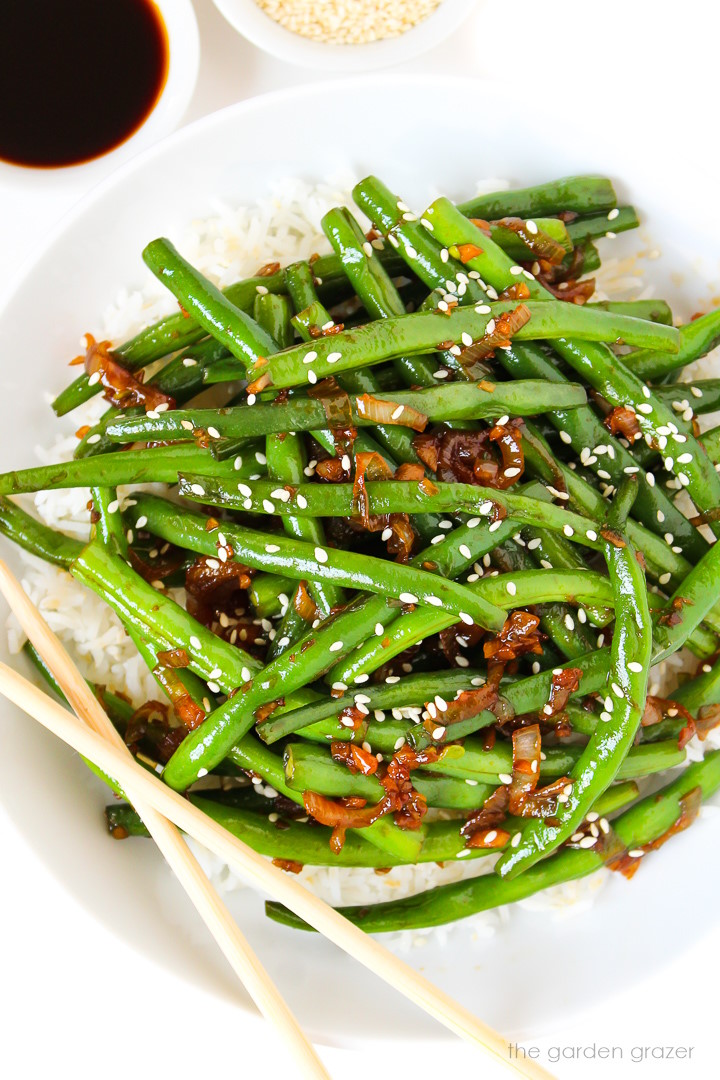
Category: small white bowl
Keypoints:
(253, 23)
(183, 63)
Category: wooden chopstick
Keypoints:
(181, 860)
(259, 872)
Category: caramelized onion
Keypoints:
(121, 388)
(562, 684)
(498, 335)
(391, 412)
(623, 421)
(520, 634)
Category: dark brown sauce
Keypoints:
(77, 77)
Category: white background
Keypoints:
(77, 999)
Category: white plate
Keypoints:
(539, 970)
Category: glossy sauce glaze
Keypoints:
(77, 77)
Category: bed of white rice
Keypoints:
(227, 246)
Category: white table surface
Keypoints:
(74, 995)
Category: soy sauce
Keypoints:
(77, 77)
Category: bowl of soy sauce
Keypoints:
(84, 79)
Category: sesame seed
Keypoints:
(408, 598)
(271, 548)
(251, 399)
(565, 437)
(186, 425)
(245, 490)
(495, 525)
(505, 778)
(345, 462)
(515, 270)
(438, 732)
(568, 530)
(636, 853)
(197, 489)
(195, 642)
(336, 646)
(333, 357)
(644, 408)
(261, 289)
(312, 377)
(213, 433)
(466, 618)
(434, 600)
(268, 506)
(512, 471)
(511, 588)
(465, 551)
(309, 357)
(587, 842)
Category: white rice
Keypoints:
(230, 245)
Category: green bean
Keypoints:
(439, 403)
(517, 698)
(580, 194)
(294, 842)
(371, 343)
(643, 823)
(593, 226)
(689, 605)
(35, 537)
(286, 461)
(131, 467)
(558, 620)
(697, 338)
(389, 497)
(702, 396)
(311, 768)
(217, 315)
(159, 619)
(655, 310)
(603, 758)
(310, 562)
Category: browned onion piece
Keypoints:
(391, 412)
(338, 410)
(499, 337)
(623, 421)
(121, 388)
(527, 745)
(562, 684)
(520, 634)
(368, 466)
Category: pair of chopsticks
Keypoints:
(164, 812)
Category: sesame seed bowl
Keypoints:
(88, 274)
(345, 35)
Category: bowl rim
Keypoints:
(248, 19)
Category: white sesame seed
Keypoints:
(186, 425)
(515, 270)
(465, 551)
(195, 642)
(312, 377)
(336, 646)
(568, 530)
(271, 548)
(197, 489)
(636, 853)
(321, 555)
(511, 588)
(268, 506)
(644, 408)
(333, 357)
(408, 598)
(434, 600)
(466, 618)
